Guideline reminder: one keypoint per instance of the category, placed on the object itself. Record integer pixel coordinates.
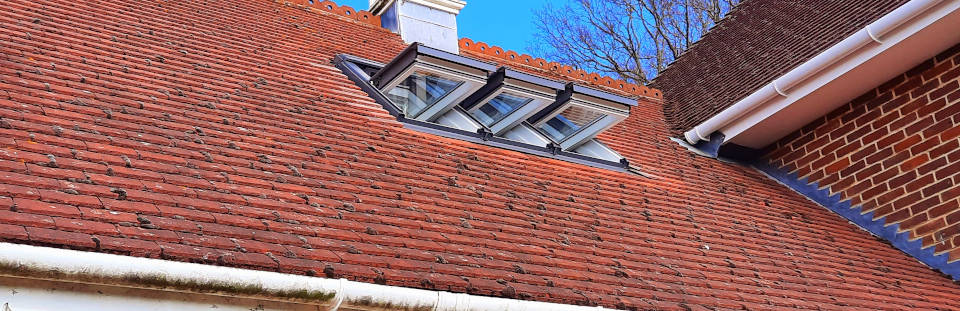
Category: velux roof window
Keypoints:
(455, 96)
(580, 114)
(425, 83)
(422, 90)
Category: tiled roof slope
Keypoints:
(755, 43)
(218, 132)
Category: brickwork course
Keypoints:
(218, 132)
(894, 150)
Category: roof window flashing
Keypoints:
(517, 134)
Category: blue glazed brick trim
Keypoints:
(865, 221)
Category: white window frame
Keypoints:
(587, 131)
(536, 102)
(469, 85)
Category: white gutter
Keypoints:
(781, 86)
(349, 294)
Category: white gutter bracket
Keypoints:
(777, 88)
(873, 36)
(338, 298)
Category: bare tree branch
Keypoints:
(629, 39)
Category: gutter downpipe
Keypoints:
(356, 295)
(779, 87)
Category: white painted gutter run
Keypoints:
(780, 86)
(348, 293)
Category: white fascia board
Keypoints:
(867, 58)
(349, 295)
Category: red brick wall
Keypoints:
(893, 150)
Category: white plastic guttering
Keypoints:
(348, 293)
(780, 86)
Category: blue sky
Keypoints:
(507, 24)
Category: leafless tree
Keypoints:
(631, 39)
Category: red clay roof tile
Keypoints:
(217, 133)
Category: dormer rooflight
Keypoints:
(459, 97)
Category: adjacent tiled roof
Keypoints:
(218, 132)
(754, 44)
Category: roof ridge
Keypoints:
(482, 48)
(343, 10)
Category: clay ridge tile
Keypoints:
(342, 10)
(485, 50)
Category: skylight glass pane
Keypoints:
(499, 107)
(420, 91)
(569, 121)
